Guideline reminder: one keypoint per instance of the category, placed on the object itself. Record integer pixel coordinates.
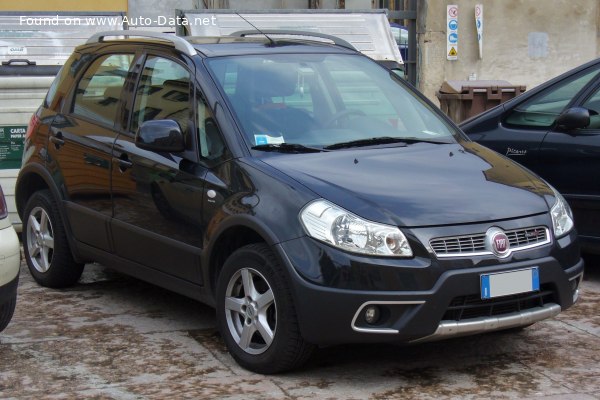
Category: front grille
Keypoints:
(525, 237)
(473, 306)
(520, 239)
(459, 244)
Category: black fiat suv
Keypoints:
(306, 192)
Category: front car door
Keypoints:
(158, 197)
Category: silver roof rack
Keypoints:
(180, 44)
(264, 32)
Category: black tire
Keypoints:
(287, 350)
(6, 312)
(50, 263)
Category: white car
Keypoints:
(10, 259)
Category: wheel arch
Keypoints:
(235, 233)
(33, 178)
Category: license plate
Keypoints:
(511, 282)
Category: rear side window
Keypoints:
(99, 90)
(59, 88)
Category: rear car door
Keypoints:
(158, 197)
(80, 143)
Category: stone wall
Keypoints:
(525, 42)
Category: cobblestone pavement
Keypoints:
(113, 337)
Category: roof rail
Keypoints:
(336, 40)
(180, 44)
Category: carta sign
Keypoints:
(11, 146)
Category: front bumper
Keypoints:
(421, 298)
(448, 329)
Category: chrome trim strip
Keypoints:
(379, 330)
(578, 276)
(576, 293)
(180, 43)
(454, 255)
(447, 329)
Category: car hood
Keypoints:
(421, 184)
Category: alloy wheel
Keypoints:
(250, 311)
(40, 239)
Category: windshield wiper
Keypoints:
(287, 148)
(411, 140)
(380, 140)
(366, 142)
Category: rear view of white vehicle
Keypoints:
(9, 265)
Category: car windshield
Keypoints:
(324, 100)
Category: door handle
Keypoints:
(57, 140)
(123, 162)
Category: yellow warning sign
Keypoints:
(452, 52)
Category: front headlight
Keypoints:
(331, 224)
(562, 216)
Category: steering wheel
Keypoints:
(342, 114)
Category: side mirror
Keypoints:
(162, 135)
(573, 118)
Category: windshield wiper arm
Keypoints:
(413, 140)
(381, 140)
(367, 142)
(287, 148)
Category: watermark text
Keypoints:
(161, 20)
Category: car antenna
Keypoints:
(261, 32)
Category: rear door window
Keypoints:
(99, 90)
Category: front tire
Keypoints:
(45, 243)
(256, 314)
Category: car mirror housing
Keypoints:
(573, 118)
(163, 135)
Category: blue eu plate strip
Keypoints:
(485, 287)
(535, 278)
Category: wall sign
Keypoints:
(11, 146)
(452, 32)
(479, 25)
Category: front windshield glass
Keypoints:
(320, 100)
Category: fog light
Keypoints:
(372, 314)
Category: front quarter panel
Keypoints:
(247, 192)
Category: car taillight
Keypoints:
(33, 124)
(3, 210)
